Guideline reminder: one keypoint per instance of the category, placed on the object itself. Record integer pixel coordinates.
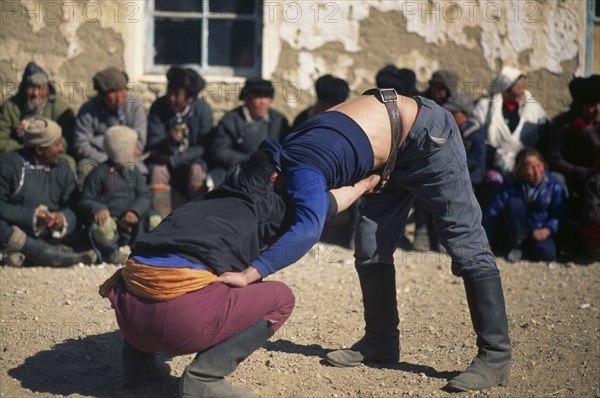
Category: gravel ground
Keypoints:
(59, 338)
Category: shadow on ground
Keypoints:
(316, 350)
(89, 366)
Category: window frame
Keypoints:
(202, 66)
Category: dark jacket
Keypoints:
(117, 190)
(473, 135)
(545, 210)
(24, 186)
(235, 137)
(160, 122)
(573, 150)
(224, 229)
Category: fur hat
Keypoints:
(41, 131)
(585, 90)
(332, 89)
(404, 81)
(119, 145)
(459, 103)
(187, 79)
(505, 79)
(110, 79)
(258, 87)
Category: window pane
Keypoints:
(231, 43)
(177, 41)
(233, 6)
(178, 5)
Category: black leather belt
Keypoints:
(389, 98)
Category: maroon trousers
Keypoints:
(199, 320)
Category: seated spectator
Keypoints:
(590, 230)
(473, 136)
(330, 91)
(530, 208)
(442, 86)
(403, 80)
(37, 190)
(116, 198)
(179, 126)
(36, 96)
(512, 117)
(111, 107)
(574, 144)
(241, 130)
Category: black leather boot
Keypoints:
(492, 365)
(205, 376)
(38, 252)
(140, 367)
(381, 342)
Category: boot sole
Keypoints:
(458, 388)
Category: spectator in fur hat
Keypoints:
(116, 198)
(111, 107)
(37, 197)
(574, 144)
(36, 96)
(403, 80)
(330, 91)
(242, 129)
(179, 126)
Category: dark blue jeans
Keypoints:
(431, 166)
(519, 233)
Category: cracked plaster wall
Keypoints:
(304, 39)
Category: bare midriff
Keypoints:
(371, 115)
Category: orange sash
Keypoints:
(156, 283)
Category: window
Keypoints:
(217, 36)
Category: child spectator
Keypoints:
(116, 197)
(530, 208)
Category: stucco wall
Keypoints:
(305, 39)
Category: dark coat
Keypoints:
(224, 229)
(161, 121)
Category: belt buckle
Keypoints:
(387, 95)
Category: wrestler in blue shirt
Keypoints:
(326, 152)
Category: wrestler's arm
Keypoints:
(344, 197)
(308, 196)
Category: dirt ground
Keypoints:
(59, 338)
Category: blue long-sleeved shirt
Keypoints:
(326, 152)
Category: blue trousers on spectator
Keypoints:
(519, 233)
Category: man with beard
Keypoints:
(36, 96)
